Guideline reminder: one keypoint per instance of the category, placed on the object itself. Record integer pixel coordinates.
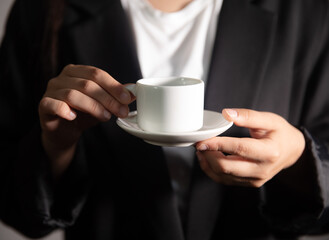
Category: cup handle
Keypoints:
(131, 88)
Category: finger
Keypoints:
(83, 103)
(50, 106)
(253, 119)
(224, 178)
(232, 165)
(248, 148)
(204, 165)
(93, 90)
(102, 78)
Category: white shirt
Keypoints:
(175, 44)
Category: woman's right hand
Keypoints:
(75, 100)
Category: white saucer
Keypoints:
(213, 125)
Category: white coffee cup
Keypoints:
(169, 104)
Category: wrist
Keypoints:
(60, 155)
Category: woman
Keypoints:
(72, 167)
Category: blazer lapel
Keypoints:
(242, 47)
(105, 40)
(240, 56)
(205, 201)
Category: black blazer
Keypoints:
(269, 55)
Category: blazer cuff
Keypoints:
(44, 205)
(296, 198)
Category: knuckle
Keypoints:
(67, 68)
(225, 170)
(112, 105)
(86, 86)
(241, 149)
(60, 109)
(257, 184)
(222, 169)
(219, 145)
(44, 103)
(264, 174)
(94, 107)
(275, 154)
(95, 73)
(52, 83)
(50, 106)
(276, 117)
(69, 95)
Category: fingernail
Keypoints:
(72, 115)
(107, 114)
(232, 113)
(125, 97)
(202, 147)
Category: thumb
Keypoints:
(251, 119)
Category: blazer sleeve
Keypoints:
(297, 199)
(29, 200)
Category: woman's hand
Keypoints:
(274, 145)
(75, 100)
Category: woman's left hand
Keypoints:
(274, 145)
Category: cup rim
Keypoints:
(164, 81)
